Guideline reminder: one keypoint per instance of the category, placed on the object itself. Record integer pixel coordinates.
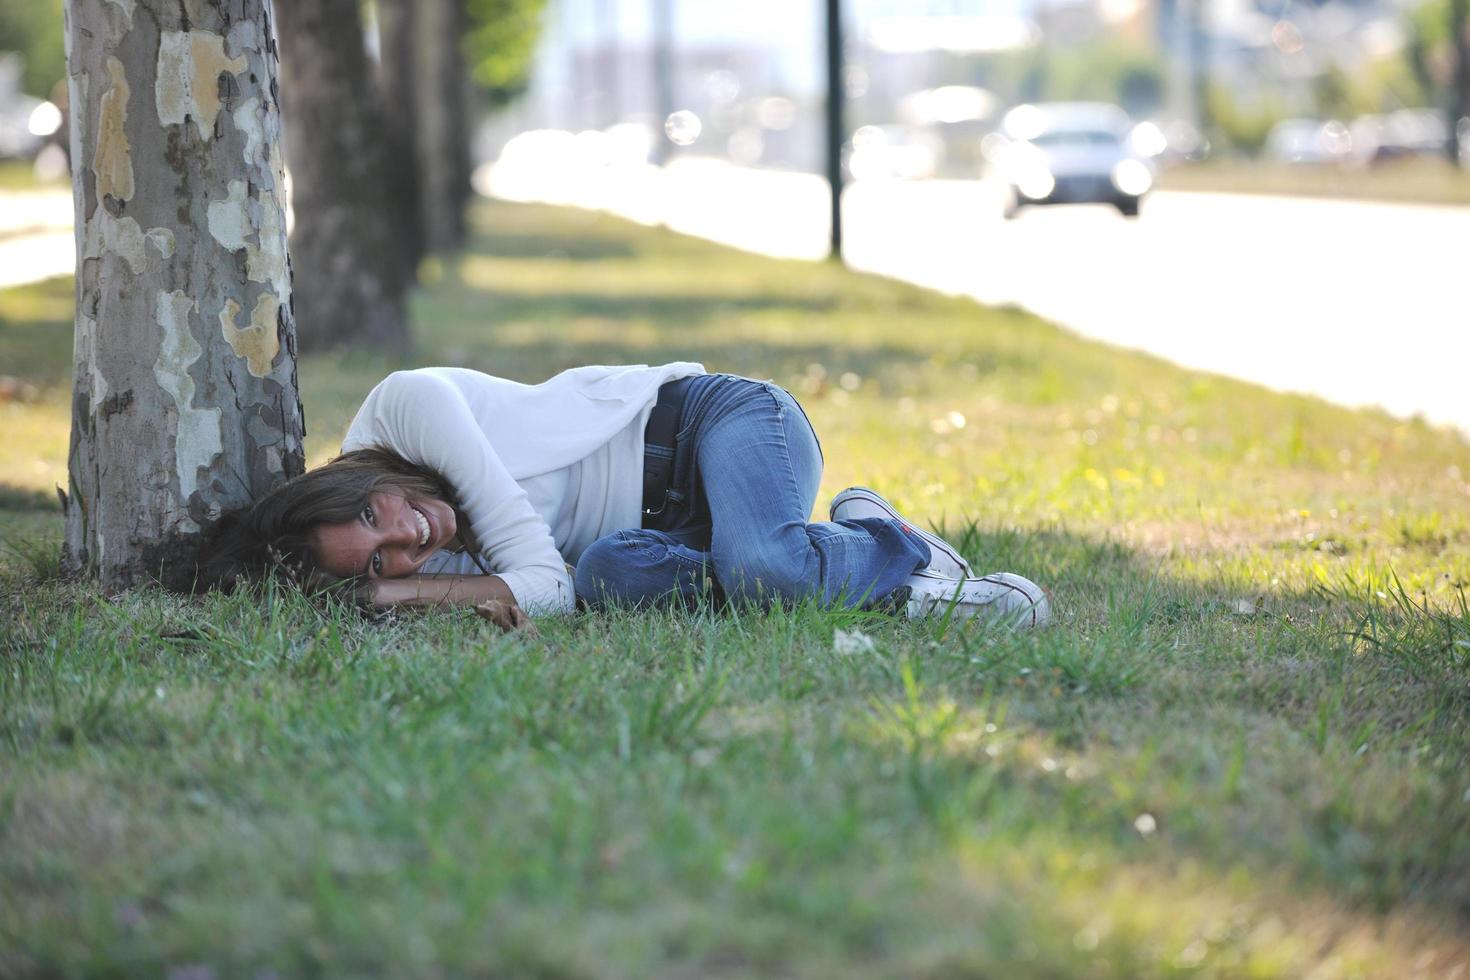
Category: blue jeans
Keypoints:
(734, 526)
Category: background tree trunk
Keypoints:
(439, 86)
(184, 400)
(469, 118)
(344, 245)
(396, 81)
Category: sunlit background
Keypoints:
(1354, 83)
(1339, 129)
(960, 118)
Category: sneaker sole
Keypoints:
(934, 541)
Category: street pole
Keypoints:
(1459, 104)
(663, 77)
(610, 62)
(836, 136)
(1199, 66)
(578, 56)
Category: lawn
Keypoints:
(20, 175)
(1402, 182)
(1244, 751)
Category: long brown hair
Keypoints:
(274, 531)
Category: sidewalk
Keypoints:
(35, 236)
(1357, 302)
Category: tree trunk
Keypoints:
(349, 278)
(469, 119)
(439, 68)
(184, 400)
(396, 81)
(662, 17)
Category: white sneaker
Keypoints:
(859, 502)
(1018, 601)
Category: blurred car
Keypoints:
(1072, 153)
(26, 123)
(1405, 134)
(1308, 141)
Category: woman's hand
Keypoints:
(508, 616)
(488, 594)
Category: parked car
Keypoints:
(1308, 141)
(1072, 153)
(27, 124)
(1405, 134)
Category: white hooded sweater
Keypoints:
(541, 471)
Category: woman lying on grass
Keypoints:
(661, 485)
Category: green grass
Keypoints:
(1404, 182)
(1242, 752)
(20, 175)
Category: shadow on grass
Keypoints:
(534, 360)
(15, 498)
(509, 244)
(691, 308)
(30, 536)
(36, 331)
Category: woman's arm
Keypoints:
(440, 590)
(489, 594)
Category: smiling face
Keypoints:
(391, 537)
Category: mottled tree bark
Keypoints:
(184, 400)
(439, 87)
(349, 281)
(396, 81)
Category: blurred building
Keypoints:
(749, 74)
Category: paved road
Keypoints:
(35, 236)
(1361, 303)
